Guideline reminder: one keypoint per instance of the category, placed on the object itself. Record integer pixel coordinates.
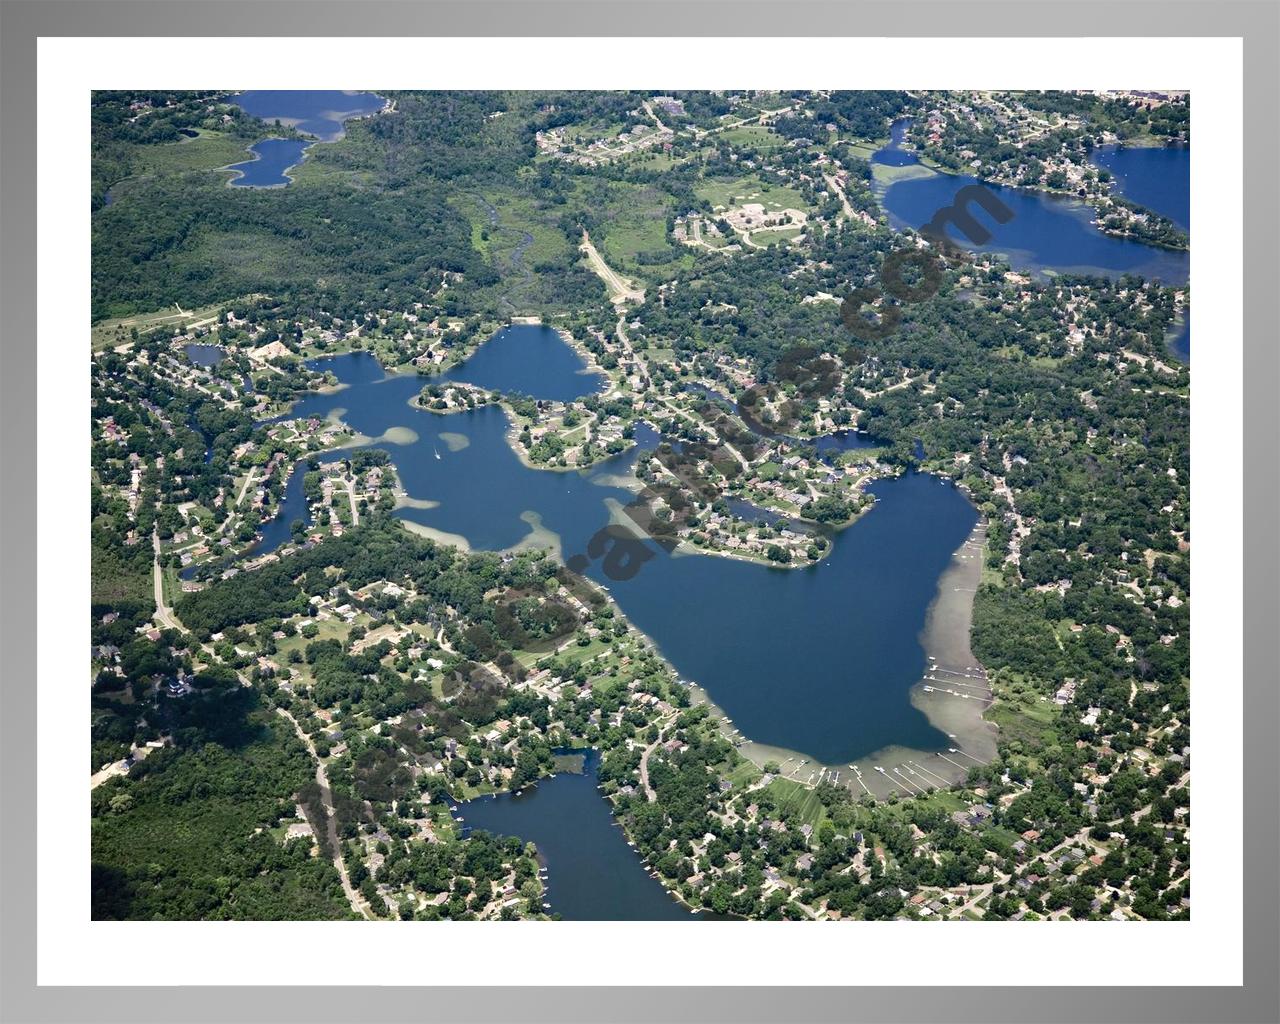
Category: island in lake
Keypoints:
(516, 505)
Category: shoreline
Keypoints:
(885, 176)
(388, 107)
(951, 692)
(945, 639)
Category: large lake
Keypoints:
(1047, 233)
(319, 113)
(818, 660)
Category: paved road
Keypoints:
(650, 795)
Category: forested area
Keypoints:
(195, 242)
(189, 836)
(124, 120)
(381, 551)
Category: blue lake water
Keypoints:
(272, 159)
(592, 874)
(207, 356)
(1179, 340)
(818, 660)
(892, 154)
(1047, 233)
(319, 113)
(525, 358)
(293, 506)
(1157, 177)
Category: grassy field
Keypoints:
(518, 216)
(866, 150)
(734, 192)
(883, 175)
(754, 136)
(209, 151)
(743, 774)
(632, 230)
(793, 798)
(775, 236)
(110, 333)
(1024, 719)
(329, 629)
(939, 800)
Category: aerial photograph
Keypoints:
(640, 505)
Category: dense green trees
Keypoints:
(186, 835)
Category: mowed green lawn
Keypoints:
(775, 236)
(734, 192)
(793, 798)
(754, 136)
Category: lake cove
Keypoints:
(525, 356)
(207, 356)
(1047, 234)
(320, 114)
(1157, 177)
(272, 158)
(592, 873)
(820, 660)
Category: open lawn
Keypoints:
(754, 136)
(328, 629)
(939, 800)
(734, 192)
(865, 149)
(744, 773)
(775, 236)
(793, 798)
(110, 333)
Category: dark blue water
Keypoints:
(483, 488)
(892, 154)
(272, 158)
(318, 112)
(293, 506)
(1047, 233)
(207, 356)
(528, 359)
(592, 874)
(1179, 340)
(1158, 178)
(818, 660)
